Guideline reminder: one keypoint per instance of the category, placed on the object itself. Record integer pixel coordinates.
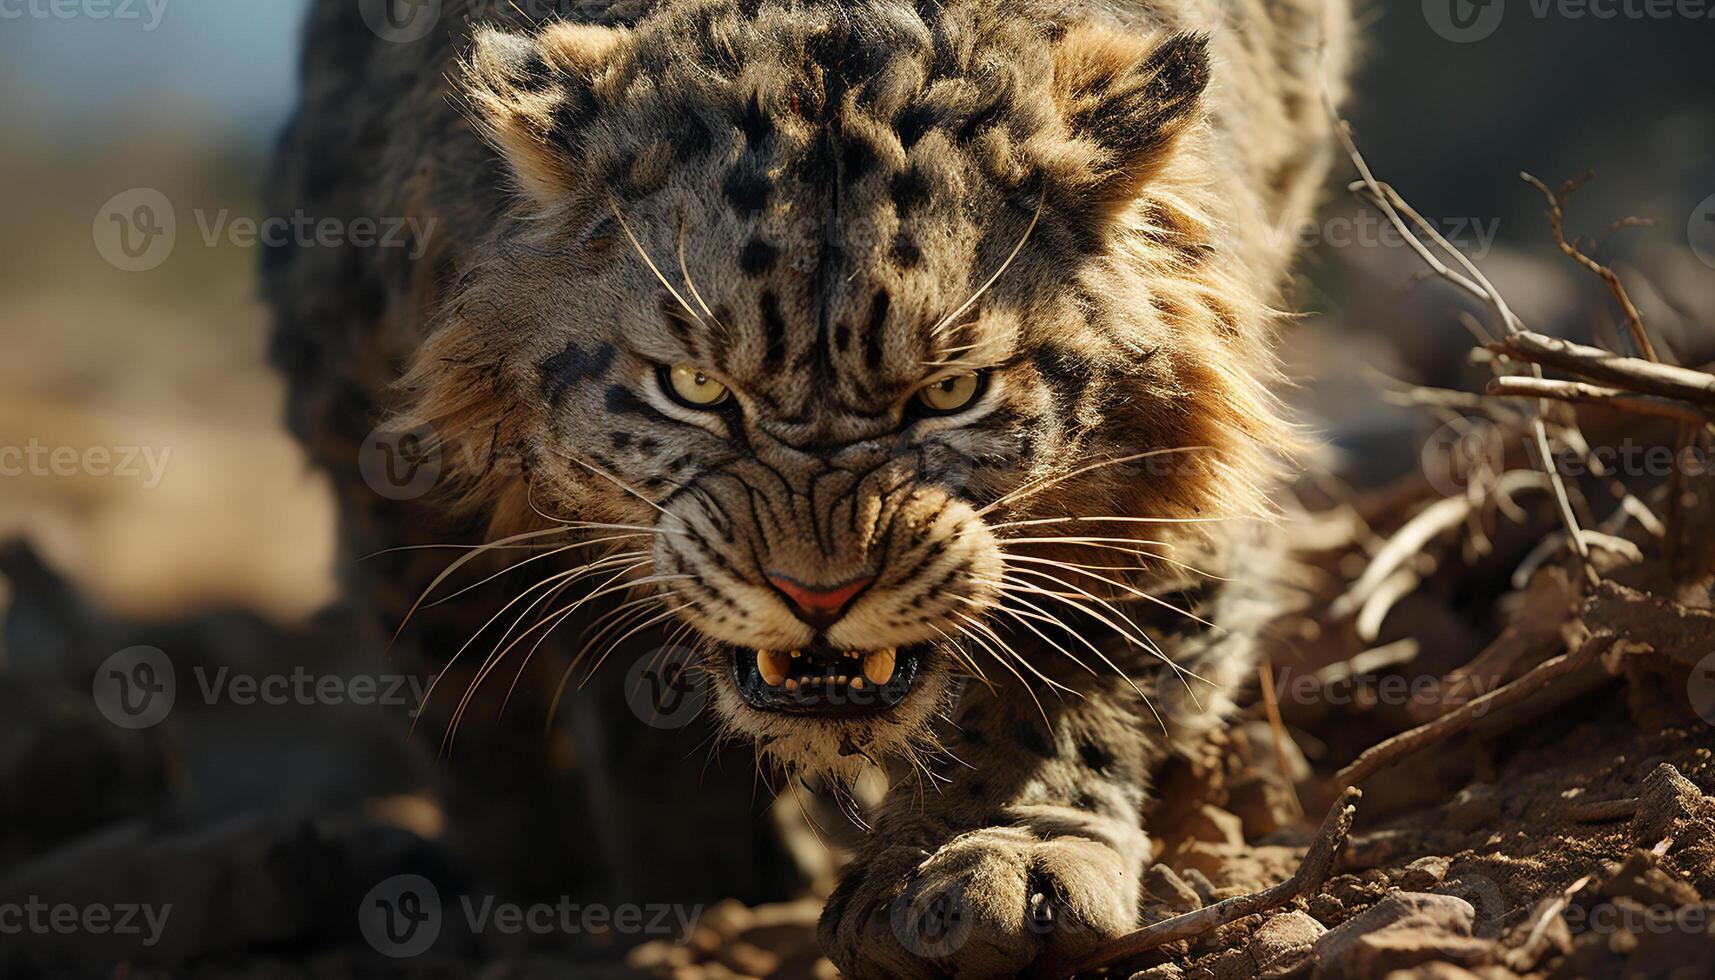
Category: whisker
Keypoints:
(459, 563)
(1136, 592)
(1141, 638)
(692, 286)
(935, 332)
(495, 658)
(1012, 670)
(1043, 483)
(548, 554)
(568, 576)
(616, 481)
(644, 254)
(988, 631)
(1113, 544)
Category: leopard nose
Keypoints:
(819, 607)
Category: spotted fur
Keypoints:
(826, 206)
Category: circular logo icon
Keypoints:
(1464, 21)
(135, 231)
(135, 688)
(400, 21)
(932, 921)
(1701, 231)
(1486, 899)
(944, 460)
(1700, 689)
(667, 687)
(400, 465)
(1460, 453)
(401, 917)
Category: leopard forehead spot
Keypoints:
(839, 178)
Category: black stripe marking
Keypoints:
(573, 366)
(774, 328)
(872, 332)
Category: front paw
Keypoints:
(988, 903)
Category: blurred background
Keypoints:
(147, 465)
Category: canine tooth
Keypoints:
(772, 667)
(878, 666)
(857, 683)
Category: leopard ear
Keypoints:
(1131, 96)
(533, 97)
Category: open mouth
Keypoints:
(821, 680)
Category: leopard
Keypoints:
(910, 364)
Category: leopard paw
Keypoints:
(988, 903)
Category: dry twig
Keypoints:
(1312, 872)
(1380, 756)
(1557, 221)
(1615, 398)
(1641, 376)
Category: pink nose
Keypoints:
(820, 608)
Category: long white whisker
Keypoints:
(1131, 590)
(643, 254)
(1043, 483)
(935, 331)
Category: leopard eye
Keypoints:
(950, 395)
(692, 388)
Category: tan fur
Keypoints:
(825, 207)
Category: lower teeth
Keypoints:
(878, 668)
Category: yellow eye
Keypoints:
(692, 388)
(951, 394)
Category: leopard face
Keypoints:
(856, 317)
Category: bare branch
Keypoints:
(1615, 398)
(1317, 865)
